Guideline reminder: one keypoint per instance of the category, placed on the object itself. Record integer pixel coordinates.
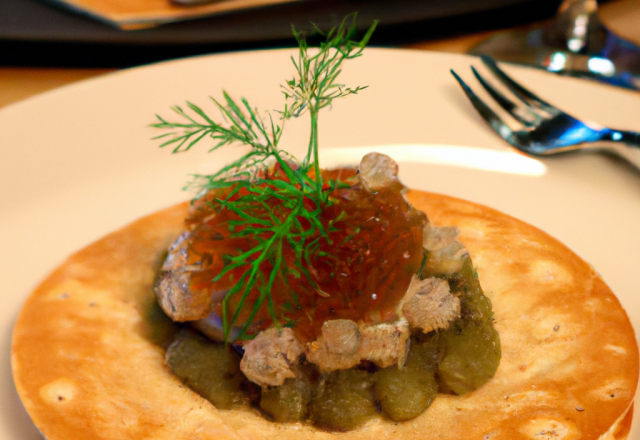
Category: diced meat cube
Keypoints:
(268, 358)
(385, 344)
(337, 347)
(179, 300)
(430, 305)
(341, 336)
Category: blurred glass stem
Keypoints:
(576, 27)
(574, 43)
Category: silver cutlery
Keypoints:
(544, 129)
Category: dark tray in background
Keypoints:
(33, 33)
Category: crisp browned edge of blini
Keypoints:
(85, 367)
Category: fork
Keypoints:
(546, 130)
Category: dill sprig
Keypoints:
(272, 210)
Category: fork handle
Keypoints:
(624, 143)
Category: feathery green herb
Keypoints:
(273, 211)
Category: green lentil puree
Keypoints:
(457, 360)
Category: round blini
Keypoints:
(88, 361)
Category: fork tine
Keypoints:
(523, 94)
(517, 112)
(494, 121)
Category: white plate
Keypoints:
(78, 162)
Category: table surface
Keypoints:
(19, 83)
